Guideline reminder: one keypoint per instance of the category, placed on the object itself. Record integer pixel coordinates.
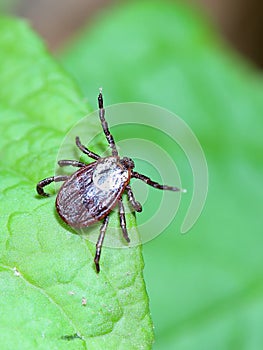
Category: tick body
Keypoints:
(94, 190)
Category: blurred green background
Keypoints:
(206, 287)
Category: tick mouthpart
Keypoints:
(128, 163)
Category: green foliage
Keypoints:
(45, 269)
(206, 287)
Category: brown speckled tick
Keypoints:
(90, 194)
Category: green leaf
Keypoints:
(205, 287)
(46, 269)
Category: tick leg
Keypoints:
(85, 150)
(123, 221)
(104, 125)
(100, 242)
(48, 181)
(154, 184)
(71, 162)
(136, 205)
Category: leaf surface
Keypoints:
(46, 271)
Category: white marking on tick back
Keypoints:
(109, 175)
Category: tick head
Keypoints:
(128, 163)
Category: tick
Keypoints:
(93, 191)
